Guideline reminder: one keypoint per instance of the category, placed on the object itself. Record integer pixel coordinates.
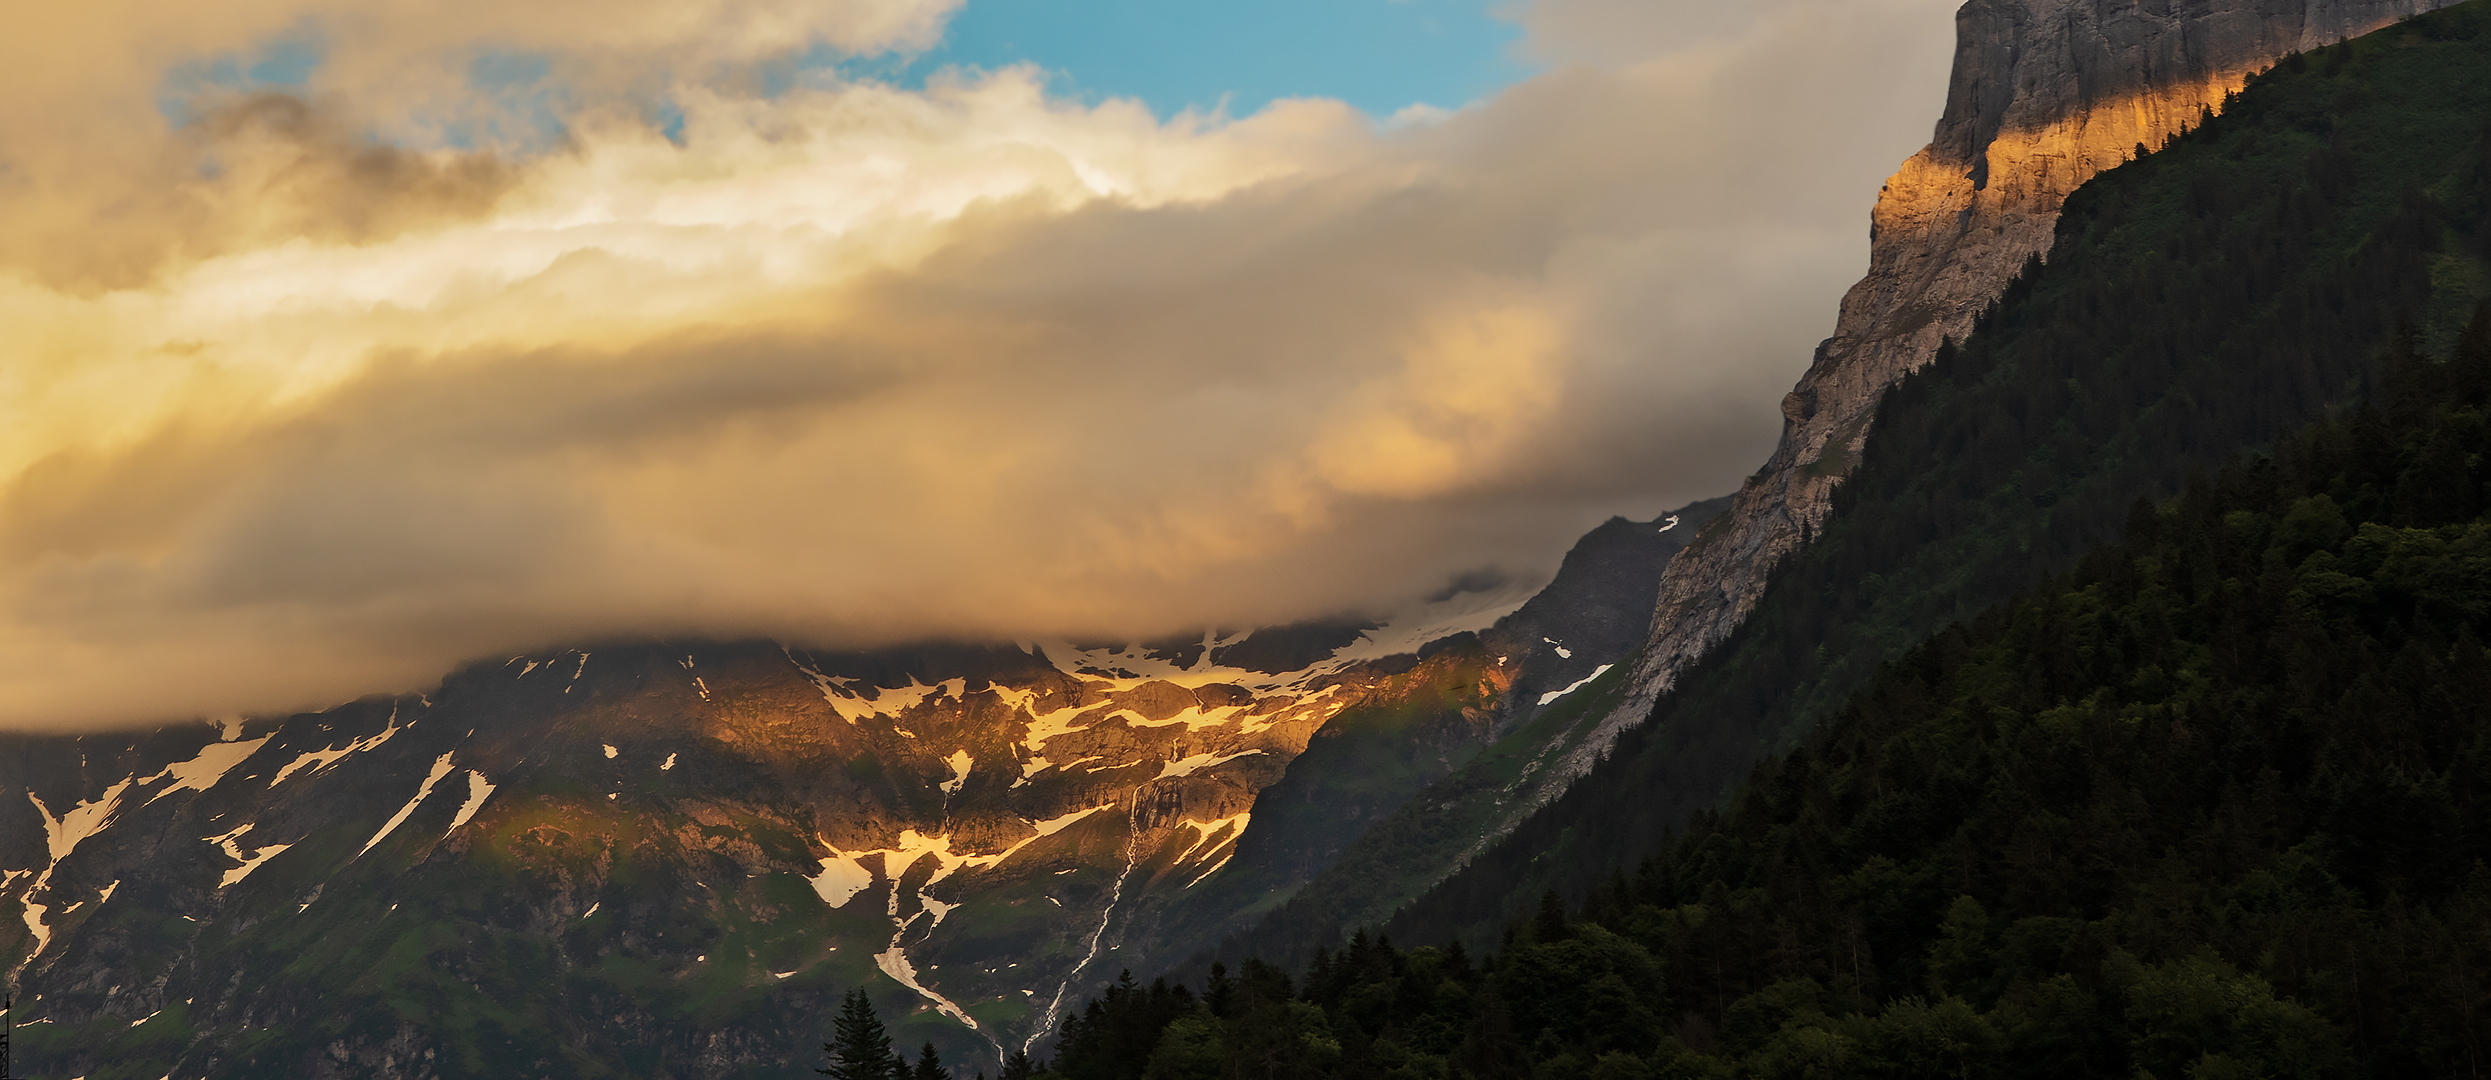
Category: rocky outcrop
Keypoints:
(2044, 94)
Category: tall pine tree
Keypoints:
(1018, 1066)
(859, 1046)
(929, 1066)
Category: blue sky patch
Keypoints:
(283, 63)
(1378, 55)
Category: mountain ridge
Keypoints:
(710, 840)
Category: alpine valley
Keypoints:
(2147, 239)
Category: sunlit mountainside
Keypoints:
(718, 839)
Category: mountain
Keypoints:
(1387, 802)
(2202, 788)
(2211, 805)
(2228, 288)
(670, 859)
(2044, 95)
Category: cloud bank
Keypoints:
(317, 394)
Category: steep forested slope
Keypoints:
(2217, 803)
(2208, 298)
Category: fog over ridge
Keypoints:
(345, 386)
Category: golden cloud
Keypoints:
(853, 363)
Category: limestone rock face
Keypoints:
(2044, 94)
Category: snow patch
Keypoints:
(838, 691)
(892, 702)
(478, 789)
(35, 924)
(1672, 523)
(202, 772)
(1194, 718)
(670, 763)
(960, 761)
(63, 834)
(1033, 767)
(610, 751)
(233, 850)
(1187, 766)
(319, 760)
(844, 874)
(1577, 684)
(840, 880)
(1215, 867)
(834, 688)
(894, 963)
(440, 768)
(1052, 826)
(1059, 722)
(1209, 830)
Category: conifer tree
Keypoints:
(1017, 1066)
(1551, 923)
(1219, 990)
(929, 1066)
(859, 1046)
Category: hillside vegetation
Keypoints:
(2130, 717)
(2201, 302)
(2216, 803)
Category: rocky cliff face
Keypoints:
(2044, 94)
